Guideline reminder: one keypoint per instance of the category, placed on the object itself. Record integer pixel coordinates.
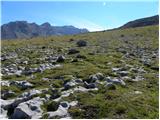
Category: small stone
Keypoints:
(138, 92)
(118, 81)
(74, 60)
(69, 85)
(61, 58)
(81, 56)
(115, 69)
(25, 62)
(100, 76)
(73, 51)
(45, 79)
(123, 73)
(92, 78)
(110, 86)
(18, 73)
(89, 86)
(65, 104)
(78, 80)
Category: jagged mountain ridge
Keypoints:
(23, 29)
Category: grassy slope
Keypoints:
(119, 103)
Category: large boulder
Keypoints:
(81, 43)
(21, 112)
(29, 109)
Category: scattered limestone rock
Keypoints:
(22, 84)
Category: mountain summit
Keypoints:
(23, 29)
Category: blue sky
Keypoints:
(94, 16)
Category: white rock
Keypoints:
(5, 83)
(138, 92)
(3, 114)
(73, 103)
(62, 110)
(70, 84)
(138, 78)
(29, 109)
(118, 81)
(100, 76)
(19, 72)
(123, 73)
(115, 69)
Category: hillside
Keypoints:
(23, 29)
(154, 20)
(109, 74)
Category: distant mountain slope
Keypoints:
(154, 20)
(23, 29)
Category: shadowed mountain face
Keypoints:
(154, 20)
(23, 29)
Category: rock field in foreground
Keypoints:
(110, 74)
